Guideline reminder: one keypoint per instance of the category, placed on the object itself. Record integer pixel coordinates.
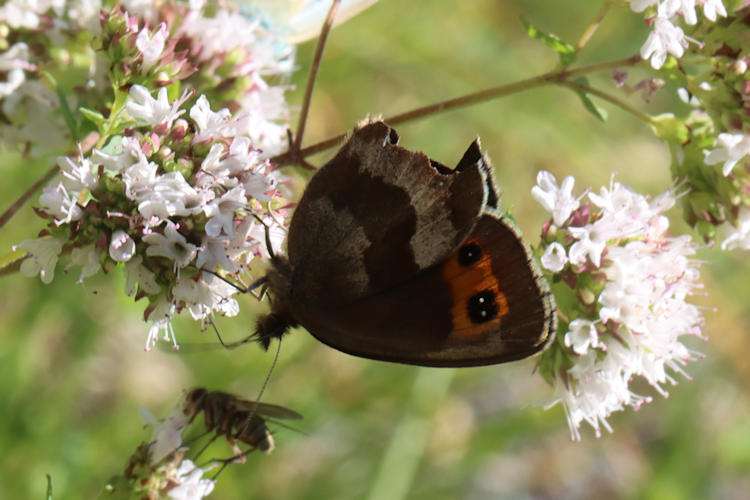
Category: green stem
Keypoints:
(611, 99)
(555, 76)
(594, 25)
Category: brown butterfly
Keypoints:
(393, 256)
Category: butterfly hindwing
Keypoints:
(484, 304)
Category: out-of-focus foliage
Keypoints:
(73, 372)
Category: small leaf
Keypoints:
(67, 114)
(10, 263)
(595, 110)
(93, 116)
(566, 51)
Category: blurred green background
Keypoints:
(73, 372)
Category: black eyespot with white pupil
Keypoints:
(469, 254)
(482, 307)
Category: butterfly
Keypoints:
(300, 20)
(396, 257)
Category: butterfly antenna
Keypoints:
(254, 410)
(312, 76)
(269, 247)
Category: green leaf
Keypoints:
(49, 487)
(94, 116)
(10, 263)
(595, 110)
(566, 51)
(66, 112)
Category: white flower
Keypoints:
(43, 254)
(210, 124)
(589, 243)
(205, 295)
(731, 149)
(713, 7)
(137, 274)
(558, 201)
(121, 246)
(190, 482)
(581, 336)
(740, 235)
(554, 258)
(13, 62)
(221, 212)
(26, 14)
(641, 5)
(167, 435)
(151, 46)
(139, 178)
(665, 38)
(154, 111)
(161, 321)
(668, 8)
(77, 177)
(171, 245)
(127, 153)
(214, 254)
(88, 258)
(169, 195)
(57, 202)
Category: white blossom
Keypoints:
(665, 38)
(56, 201)
(581, 336)
(121, 246)
(151, 45)
(157, 111)
(88, 259)
(167, 434)
(739, 237)
(559, 201)
(712, 8)
(221, 211)
(554, 258)
(43, 254)
(136, 274)
(190, 482)
(171, 245)
(210, 124)
(731, 149)
(13, 64)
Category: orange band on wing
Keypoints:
(466, 281)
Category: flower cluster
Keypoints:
(710, 138)
(622, 285)
(666, 37)
(159, 469)
(220, 53)
(177, 194)
(175, 202)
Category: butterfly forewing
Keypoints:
(376, 215)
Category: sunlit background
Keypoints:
(73, 372)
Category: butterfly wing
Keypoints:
(487, 303)
(300, 20)
(377, 214)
